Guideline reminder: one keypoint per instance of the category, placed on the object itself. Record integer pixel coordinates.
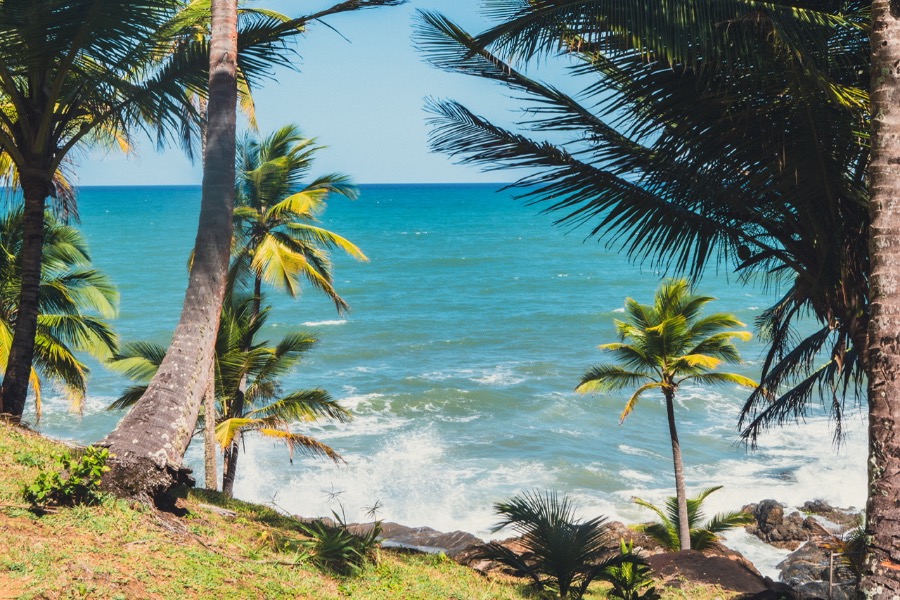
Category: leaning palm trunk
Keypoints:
(209, 431)
(231, 452)
(684, 525)
(150, 441)
(882, 575)
(14, 392)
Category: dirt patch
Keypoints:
(11, 588)
(697, 567)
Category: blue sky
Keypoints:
(363, 99)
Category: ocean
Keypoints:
(469, 329)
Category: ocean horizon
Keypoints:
(468, 331)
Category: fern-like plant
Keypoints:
(702, 536)
(631, 580)
(562, 554)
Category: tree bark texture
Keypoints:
(157, 431)
(881, 579)
(14, 391)
(231, 453)
(210, 446)
(684, 526)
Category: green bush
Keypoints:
(340, 550)
(702, 535)
(76, 482)
(562, 555)
(630, 578)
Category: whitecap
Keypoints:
(324, 323)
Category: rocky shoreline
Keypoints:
(814, 569)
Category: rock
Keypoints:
(846, 518)
(769, 516)
(425, 539)
(807, 571)
(775, 590)
(781, 531)
(696, 566)
(819, 590)
(808, 564)
(643, 543)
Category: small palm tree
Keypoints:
(663, 346)
(666, 532)
(74, 301)
(277, 239)
(248, 393)
(562, 554)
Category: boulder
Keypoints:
(423, 539)
(788, 532)
(807, 571)
(845, 518)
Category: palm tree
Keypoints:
(562, 553)
(703, 535)
(151, 439)
(75, 73)
(251, 395)
(734, 130)
(248, 393)
(74, 302)
(277, 240)
(663, 346)
(881, 578)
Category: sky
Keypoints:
(363, 99)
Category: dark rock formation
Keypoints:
(422, 539)
(846, 518)
(807, 571)
(782, 531)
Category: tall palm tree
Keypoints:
(881, 579)
(277, 239)
(663, 346)
(75, 73)
(75, 301)
(248, 392)
(151, 439)
(731, 131)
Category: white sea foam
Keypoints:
(633, 475)
(500, 376)
(626, 449)
(324, 323)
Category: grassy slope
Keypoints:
(123, 550)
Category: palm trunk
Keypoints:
(684, 526)
(881, 578)
(237, 406)
(150, 441)
(231, 453)
(209, 432)
(14, 390)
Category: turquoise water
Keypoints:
(469, 329)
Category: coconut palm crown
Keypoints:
(74, 302)
(663, 346)
(277, 237)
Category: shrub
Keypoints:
(666, 531)
(562, 555)
(76, 482)
(336, 548)
(631, 578)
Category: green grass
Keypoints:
(124, 550)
